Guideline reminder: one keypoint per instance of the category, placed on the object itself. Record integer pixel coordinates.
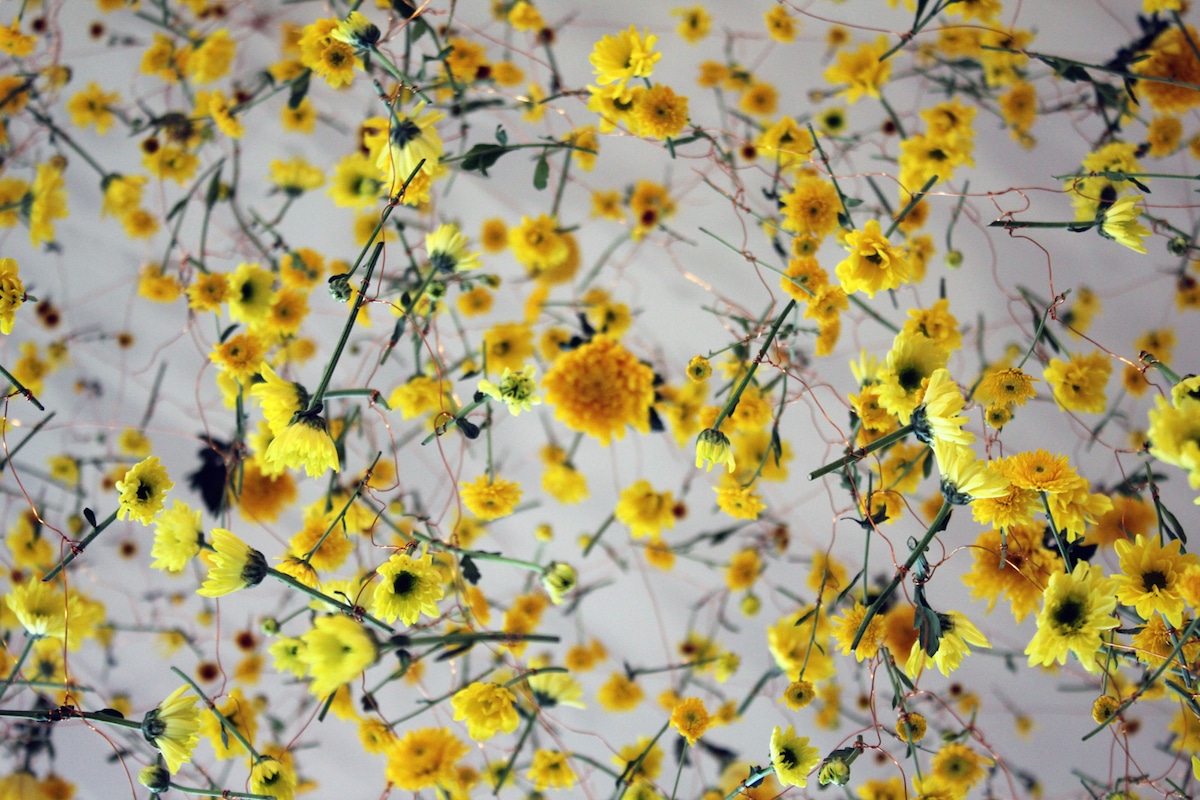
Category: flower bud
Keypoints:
(751, 605)
(835, 771)
(155, 778)
(712, 447)
(339, 287)
(558, 578)
(954, 259)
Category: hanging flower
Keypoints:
(235, 566)
(173, 727)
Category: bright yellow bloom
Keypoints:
(691, 719)
(12, 294)
(873, 265)
(271, 777)
(599, 388)
(407, 588)
(235, 565)
(336, 650)
(143, 490)
(646, 511)
(619, 693)
(551, 770)
(792, 757)
(1078, 385)
(488, 708)
(173, 727)
(305, 442)
(694, 23)
(862, 71)
(1151, 576)
(618, 59)
(1076, 609)
(490, 498)
(424, 758)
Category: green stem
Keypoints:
(732, 402)
(12, 453)
(316, 594)
(21, 390)
(904, 212)
(917, 552)
(562, 180)
(592, 540)
(756, 776)
(862, 452)
(1056, 534)
(375, 395)
(315, 402)
(77, 549)
(29, 640)
(504, 773)
(342, 514)
(1188, 632)
(228, 726)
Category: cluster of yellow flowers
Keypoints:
(385, 418)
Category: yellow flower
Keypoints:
(15, 43)
(551, 770)
(619, 693)
(791, 756)
(241, 714)
(173, 727)
(1078, 385)
(305, 442)
(811, 208)
(863, 72)
(41, 609)
(1151, 576)
(940, 417)
(488, 708)
(336, 651)
(271, 777)
(507, 346)
(407, 588)
(873, 265)
(49, 201)
(234, 566)
(524, 17)
(357, 31)
(240, 356)
(516, 390)
(599, 388)
(965, 479)
(691, 719)
(646, 511)
(617, 59)
(694, 23)
(177, 538)
(1076, 609)
(957, 632)
(12, 294)
(739, 502)
(93, 106)
(411, 138)
(845, 628)
(660, 113)
(143, 490)
(490, 498)
(1121, 224)
(1026, 567)
(424, 758)
(781, 25)
(447, 249)
(1006, 386)
(959, 767)
(1171, 56)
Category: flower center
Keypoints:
(1069, 615)
(1154, 579)
(404, 583)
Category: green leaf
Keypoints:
(299, 90)
(501, 135)
(470, 571)
(541, 173)
(482, 156)
(853, 202)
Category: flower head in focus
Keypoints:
(407, 588)
(173, 727)
(235, 566)
(1077, 607)
(516, 389)
(143, 490)
(1122, 226)
(791, 756)
(305, 442)
(712, 448)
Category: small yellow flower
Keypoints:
(488, 709)
(143, 490)
(173, 727)
(235, 566)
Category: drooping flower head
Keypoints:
(12, 294)
(235, 566)
(447, 249)
(174, 727)
(304, 442)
